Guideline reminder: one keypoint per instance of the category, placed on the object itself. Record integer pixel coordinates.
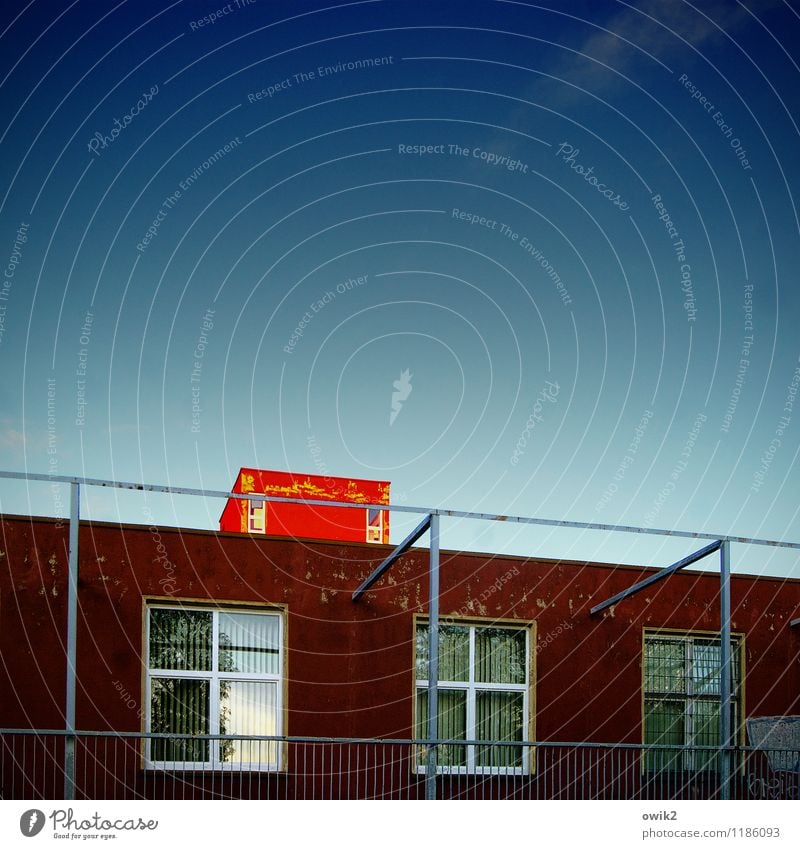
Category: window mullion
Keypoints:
(689, 693)
(526, 693)
(470, 729)
(214, 641)
(279, 717)
(213, 686)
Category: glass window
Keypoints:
(682, 699)
(213, 672)
(482, 695)
(374, 525)
(257, 517)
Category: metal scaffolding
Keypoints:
(431, 522)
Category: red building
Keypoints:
(201, 639)
(306, 520)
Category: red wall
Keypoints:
(350, 665)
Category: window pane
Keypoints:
(664, 725)
(248, 707)
(707, 664)
(249, 643)
(706, 733)
(180, 639)
(500, 656)
(706, 667)
(179, 706)
(665, 666)
(499, 717)
(422, 652)
(706, 723)
(453, 652)
(452, 724)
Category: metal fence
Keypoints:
(119, 766)
(584, 766)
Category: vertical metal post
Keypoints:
(72, 634)
(725, 676)
(433, 662)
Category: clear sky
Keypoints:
(228, 230)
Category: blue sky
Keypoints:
(228, 229)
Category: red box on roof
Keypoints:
(308, 520)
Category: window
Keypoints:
(213, 672)
(682, 698)
(374, 525)
(257, 517)
(483, 694)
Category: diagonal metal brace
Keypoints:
(421, 528)
(664, 573)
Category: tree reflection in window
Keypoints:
(225, 669)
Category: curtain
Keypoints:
(500, 656)
(452, 721)
(179, 706)
(664, 725)
(249, 643)
(248, 708)
(665, 666)
(499, 717)
(180, 639)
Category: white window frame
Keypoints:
(689, 697)
(471, 687)
(215, 677)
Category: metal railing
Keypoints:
(430, 524)
(109, 765)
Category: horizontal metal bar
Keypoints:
(145, 487)
(402, 508)
(401, 549)
(137, 735)
(663, 573)
(794, 623)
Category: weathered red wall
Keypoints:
(350, 665)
